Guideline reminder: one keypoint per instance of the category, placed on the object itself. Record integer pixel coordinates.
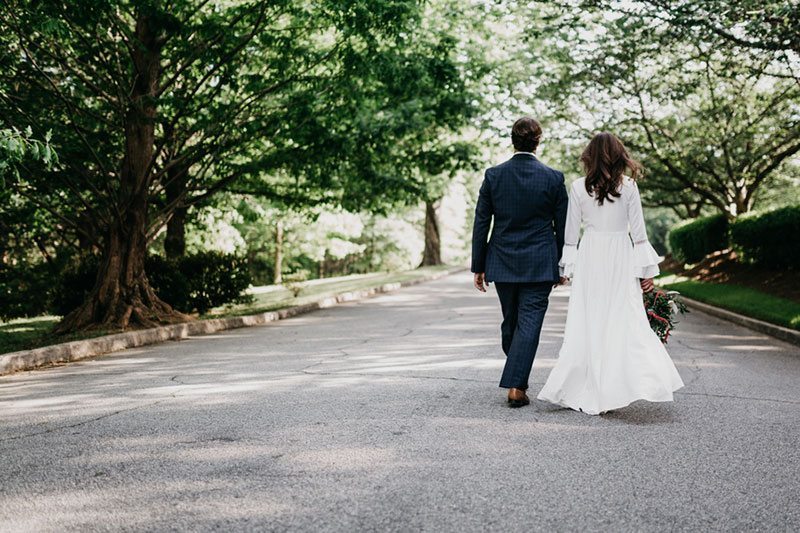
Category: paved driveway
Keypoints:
(385, 415)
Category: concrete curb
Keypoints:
(785, 334)
(84, 349)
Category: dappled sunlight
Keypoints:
(61, 402)
(704, 363)
(752, 347)
(80, 506)
(732, 336)
(344, 459)
(283, 396)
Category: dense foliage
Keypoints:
(691, 241)
(194, 283)
(24, 289)
(771, 239)
(157, 108)
(713, 122)
(322, 138)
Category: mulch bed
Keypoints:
(722, 267)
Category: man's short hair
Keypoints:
(525, 134)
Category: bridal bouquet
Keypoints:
(662, 311)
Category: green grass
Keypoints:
(274, 297)
(29, 333)
(743, 300)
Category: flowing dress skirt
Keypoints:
(610, 357)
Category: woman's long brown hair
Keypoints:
(605, 160)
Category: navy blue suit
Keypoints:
(528, 202)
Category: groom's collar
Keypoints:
(524, 154)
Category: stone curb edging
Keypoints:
(785, 334)
(84, 349)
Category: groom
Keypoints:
(528, 201)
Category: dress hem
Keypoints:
(613, 406)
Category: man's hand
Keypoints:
(563, 280)
(647, 284)
(480, 282)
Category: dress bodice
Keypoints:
(621, 215)
(616, 214)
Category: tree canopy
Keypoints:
(283, 111)
(158, 106)
(711, 128)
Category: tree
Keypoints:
(439, 165)
(758, 25)
(157, 108)
(18, 222)
(711, 127)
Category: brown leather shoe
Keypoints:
(517, 398)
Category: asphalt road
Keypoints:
(385, 415)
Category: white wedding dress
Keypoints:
(610, 357)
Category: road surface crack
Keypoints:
(84, 422)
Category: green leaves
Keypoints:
(17, 147)
(335, 102)
(713, 118)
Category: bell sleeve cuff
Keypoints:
(645, 260)
(566, 266)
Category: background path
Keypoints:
(385, 415)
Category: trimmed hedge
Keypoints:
(691, 241)
(770, 239)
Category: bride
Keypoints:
(610, 357)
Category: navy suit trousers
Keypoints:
(524, 306)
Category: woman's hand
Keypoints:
(647, 284)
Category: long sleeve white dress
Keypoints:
(610, 357)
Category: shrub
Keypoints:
(24, 289)
(214, 279)
(690, 242)
(771, 238)
(73, 284)
(194, 282)
(169, 282)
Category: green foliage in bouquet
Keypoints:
(662, 311)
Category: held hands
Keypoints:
(480, 281)
(647, 284)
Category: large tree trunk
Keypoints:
(175, 241)
(742, 203)
(122, 295)
(433, 246)
(278, 277)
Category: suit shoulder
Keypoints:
(500, 166)
(550, 170)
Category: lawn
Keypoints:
(743, 300)
(29, 333)
(273, 297)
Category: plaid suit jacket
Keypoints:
(528, 202)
